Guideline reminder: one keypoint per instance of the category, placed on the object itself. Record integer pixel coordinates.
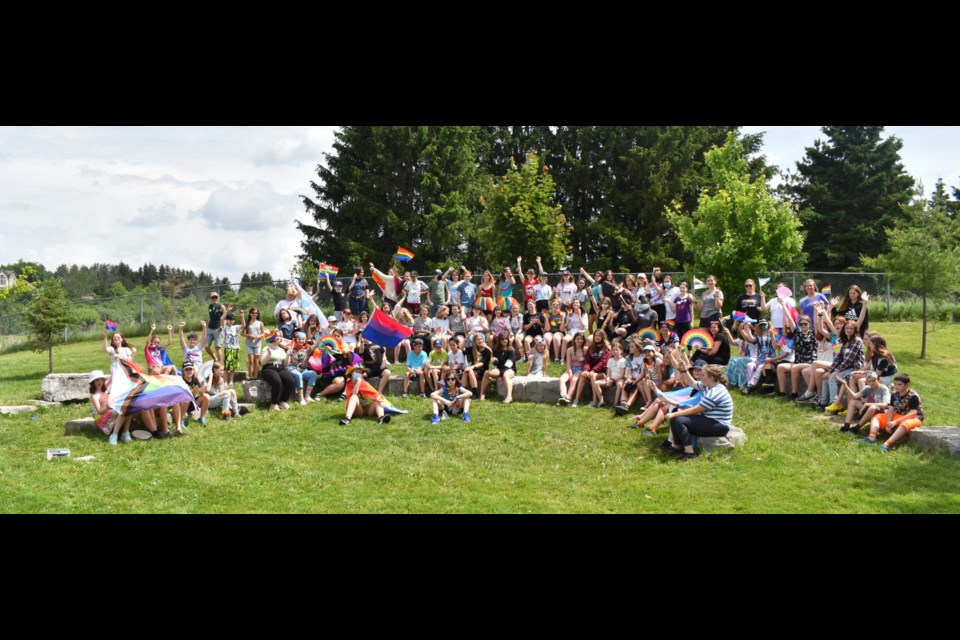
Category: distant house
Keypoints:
(7, 278)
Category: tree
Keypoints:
(519, 218)
(923, 254)
(848, 189)
(48, 315)
(416, 187)
(739, 229)
(940, 199)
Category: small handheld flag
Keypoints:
(698, 284)
(763, 281)
(826, 290)
(329, 270)
(110, 326)
(403, 255)
(740, 316)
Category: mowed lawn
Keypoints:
(521, 458)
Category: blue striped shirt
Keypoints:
(717, 403)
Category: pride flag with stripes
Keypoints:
(826, 290)
(329, 270)
(385, 331)
(110, 325)
(403, 255)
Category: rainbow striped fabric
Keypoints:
(403, 255)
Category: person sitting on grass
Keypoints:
(416, 368)
(374, 363)
(874, 397)
(712, 417)
(450, 400)
(654, 415)
(363, 399)
(902, 415)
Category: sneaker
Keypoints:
(666, 445)
(284, 406)
(443, 416)
(183, 423)
(833, 408)
(162, 435)
(113, 438)
(423, 395)
(689, 456)
(384, 419)
(845, 427)
(884, 448)
(746, 390)
(405, 395)
(564, 400)
(855, 430)
(310, 399)
(435, 419)
(805, 398)
(592, 404)
(574, 404)
(303, 402)
(344, 421)
(620, 409)
(466, 417)
(648, 432)
(225, 414)
(126, 437)
(772, 392)
(868, 440)
(342, 397)
(274, 407)
(203, 421)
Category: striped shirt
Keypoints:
(717, 403)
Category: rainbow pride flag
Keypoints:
(698, 284)
(133, 391)
(826, 290)
(110, 325)
(329, 270)
(403, 255)
(385, 331)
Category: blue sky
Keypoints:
(224, 199)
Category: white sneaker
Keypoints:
(443, 416)
(274, 407)
(310, 399)
(574, 403)
(113, 438)
(126, 437)
(303, 402)
(284, 406)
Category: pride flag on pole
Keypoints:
(698, 284)
(826, 290)
(110, 325)
(385, 331)
(309, 306)
(329, 270)
(403, 255)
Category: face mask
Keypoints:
(644, 308)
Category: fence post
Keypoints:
(794, 283)
(141, 313)
(64, 335)
(888, 298)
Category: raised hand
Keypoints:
(170, 328)
(183, 324)
(153, 326)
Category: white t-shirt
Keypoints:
(457, 359)
(347, 328)
(615, 368)
(125, 353)
(776, 312)
(231, 336)
(671, 294)
(285, 304)
(413, 290)
(441, 325)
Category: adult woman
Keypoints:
(414, 292)
(854, 309)
(576, 358)
(573, 323)
(682, 307)
(711, 418)
(479, 357)
(711, 303)
(719, 353)
(554, 330)
(487, 291)
(253, 332)
(847, 361)
(403, 317)
(505, 359)
(805, 352)
(656, 291)
(273, 370)
(565, 291)
(813, 297)
(751, 302)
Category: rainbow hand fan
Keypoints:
(649, 334)
(697, 339)
(335, 345)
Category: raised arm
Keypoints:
(106, 343)
(170, 336)
(183, 341)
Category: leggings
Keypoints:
(280, 381)
(684, 427)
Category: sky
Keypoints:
(224, 199)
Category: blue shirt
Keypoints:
(806, 305)
(468, 294)
(416, 362)
(717, 403)
(359, 288)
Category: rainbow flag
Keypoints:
(385, 331)
(329, 270)
(740, 316)
(133, 391)
(826, 290)
(698, 284)
(110, 325)
(403, 255)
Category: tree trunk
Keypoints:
(50, 357)
(923, 343)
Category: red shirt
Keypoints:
(528, 292)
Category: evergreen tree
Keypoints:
(848, 190)
(940, 199)
(48, 315)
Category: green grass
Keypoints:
(511, 459)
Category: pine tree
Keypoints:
(848, 190)
(48, 315)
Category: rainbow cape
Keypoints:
(366, 390)
(403, 255)
(389, 285)
(133, 391)
(385, 331)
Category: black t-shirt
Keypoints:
(883, 366)
(606, 291)
(535, 329)
(372, 357)
(503, 356)
(485, 356)
(215, 311)
(853, 313)
(750, 305)
(646, 319)
(721, 357)
(339, 300)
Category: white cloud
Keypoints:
(254, 207)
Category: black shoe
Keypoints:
(666, 445)
(855, 430)
(344, 421)
(621, 409)
(161, 435)
(845, 427)
(384, 419)
(772, 392)
(342, 397)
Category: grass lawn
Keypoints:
(511, 459)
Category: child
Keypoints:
(299, 367)
(633, 372)
(575, 358)
(221, 394)
(456, 360)
(231, 348)
(903, 414)
(538, 359)
(199, 389)
(766, 356)
(438, 359)
(103, 415)
(615, 368)
(450, 400)
(339, 298)
(652, 366)
(872, 398)
(192, 351)
(213, 334)
(416, 363)
(253, 332)
(157, 355)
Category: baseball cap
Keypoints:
(699, 364)
(649, 347)
(337, 283)
(187, 365)
(437, 342)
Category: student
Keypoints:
(573, 323)
(222, 395)
(273, 370)
(117, 347)
(712, 417)
(719, 353)
(479, 358)
(902, 415)
(805, 352)
(416, 363)
(304, 377)
(554, 330)
(751, 302)
(192, 351)
(362, 399)
(854, 309)
(633, 373)
(658, 410)
(614, 376)
(468, 291)
(199, 389)
(155, 353)
(339, 298)
(403, 317)
(375, 364)
(847, 361)
(288, 324)
(505, 289)
(537, 363)
(348, 328)
(437, 361)
(652, 370)
(813, 297)
(542, 293)
(334, 362)
(451, 399)
(575, 358)
(533, 324)
(456, 360)
(766, 359)
(455, 321)
(780, 309)
(516, 331)
(253, 332)
(530, 282)
(392, 285)
(874, 397)
(595, 367)
(213, 335)
(711, 303)
(106, 419)
(682, 308)
(231, 345)
(505, 359)
(438, 293)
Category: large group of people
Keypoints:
(624, 336)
